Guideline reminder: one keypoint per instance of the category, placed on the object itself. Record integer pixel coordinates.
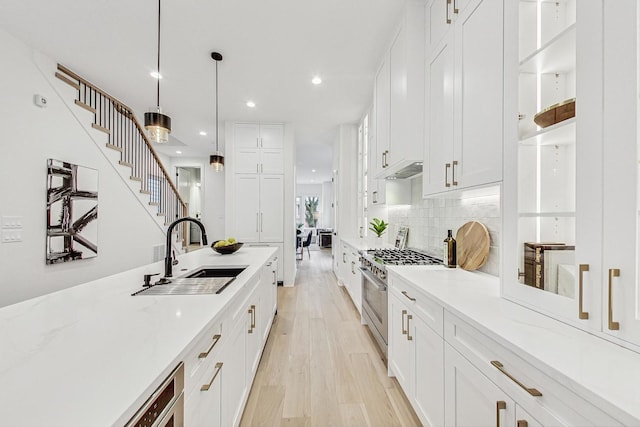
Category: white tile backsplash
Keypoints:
(429, 219)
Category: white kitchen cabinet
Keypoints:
(381, 94)
(415, 350)
(234, 380)
(464, 97)
(206, 401)
(576, 182)
(259, 160)
(258, 208)
(254, 306)
(399, 97)
(472, 399)
(621, 186)
(258, 135)
(400, 351)
(349, 273)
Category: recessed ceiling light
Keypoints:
(155, 75)
(316, 80)
(313, 170)
(203, 133)
(251, 104)
(178, 152)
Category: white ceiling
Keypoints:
(271, 49)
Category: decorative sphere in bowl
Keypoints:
(227, 249)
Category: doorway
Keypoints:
(189, 183)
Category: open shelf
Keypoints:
(558, 55)
(562, 133)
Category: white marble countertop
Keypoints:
(367, 243)
(602, 372)
(90, 355)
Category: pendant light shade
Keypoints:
(157, 124)
(216, 160)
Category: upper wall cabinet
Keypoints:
(259, 148)
(571, 205)
(464, 94)
(399, 99)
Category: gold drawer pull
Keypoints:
(216, 338)
(522, 423)
(453, 172)
(531, 391)
(448, 19)
(409, 317)
(404, 331)
(500, 405)
(407, 295)
(613, 272)
(581, 314)
(206, 387)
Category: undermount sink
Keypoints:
(202, 281)
(216, 272)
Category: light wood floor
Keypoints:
(320, 366)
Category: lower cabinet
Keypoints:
(349, 273)
(415, 357)
(472, 399)
(221, 365)
(454, 374)
(234, 380)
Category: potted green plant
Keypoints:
(378, 226)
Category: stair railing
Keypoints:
(126, 135)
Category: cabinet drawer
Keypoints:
(421, 305)
(202, 354)
(537, 392)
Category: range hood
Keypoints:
(403, 169)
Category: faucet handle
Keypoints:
(147, 279)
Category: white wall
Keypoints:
(31, 135)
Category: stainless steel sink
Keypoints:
(202, 281)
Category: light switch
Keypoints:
(11, 222)
(11, 236)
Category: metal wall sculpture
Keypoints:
(72, 212)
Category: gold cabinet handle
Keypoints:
(252, 313)
(409, 337)
(453, 172)
(522, 423)
(344, 260)
(446, 175)
(500, 405)
(582, 314)
(206, 387)
(216, 338)
(531, 391)
(455, 8)
(353, 265)
(404, 331)
(375, 197)
(407, 295)
(448, 19)
(253, 317)
(613, 272)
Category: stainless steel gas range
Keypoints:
(374, 285)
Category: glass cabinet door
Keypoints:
(547, 146)
(544, 215)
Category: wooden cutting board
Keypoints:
(472, 243)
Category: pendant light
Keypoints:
(157, 124)
(216, 160)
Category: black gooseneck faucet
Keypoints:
(168, 261)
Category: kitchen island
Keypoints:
(92, 354)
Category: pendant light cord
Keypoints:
(158, 85)
(217, 150)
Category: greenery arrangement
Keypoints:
(311, 208)
(378, 226)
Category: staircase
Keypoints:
(126, 137)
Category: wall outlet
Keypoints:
(11, 236)
(40, 101)
(11, 222)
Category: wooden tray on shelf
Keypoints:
(556, 113)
